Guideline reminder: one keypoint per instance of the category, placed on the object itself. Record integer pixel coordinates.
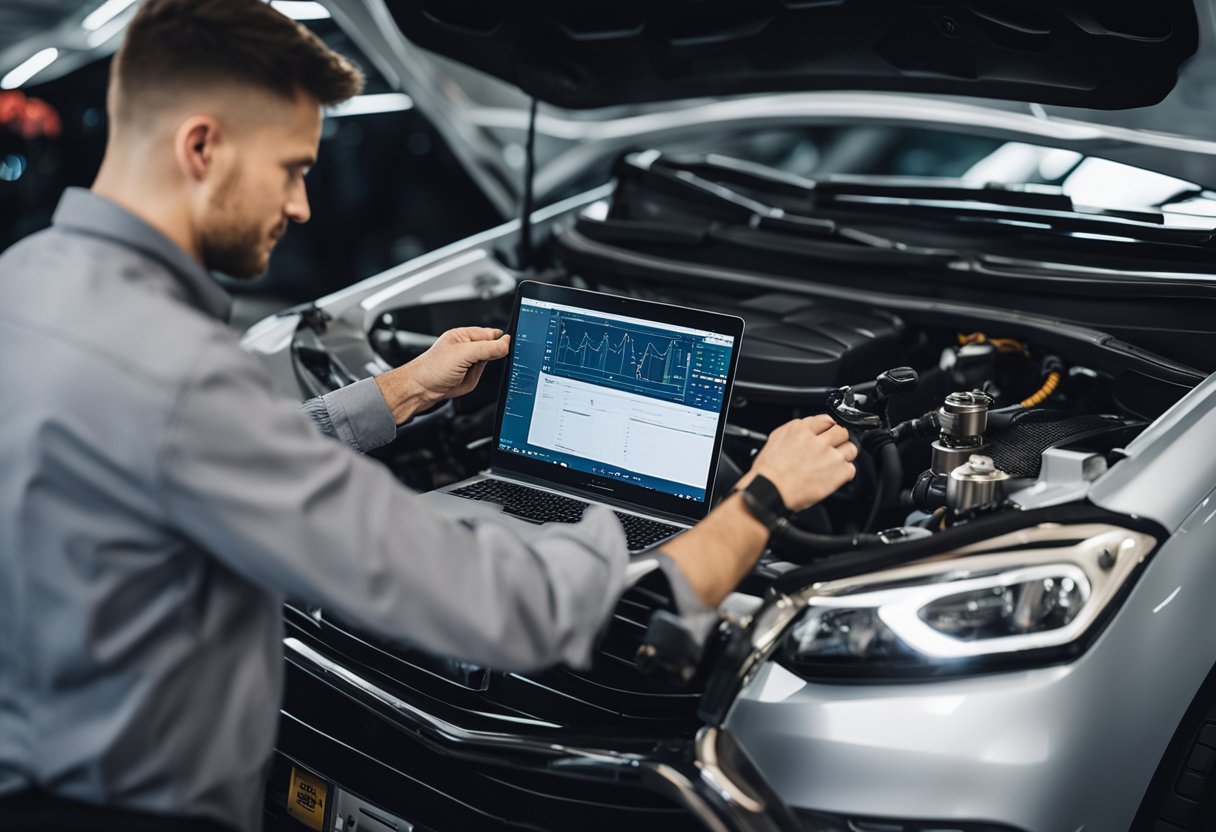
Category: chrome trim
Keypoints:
(707, 753)
(445, 728)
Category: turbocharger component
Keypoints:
(963, 419)
(976, 485)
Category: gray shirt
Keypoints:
(158, 502)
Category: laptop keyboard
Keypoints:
(538, 506)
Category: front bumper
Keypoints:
(438, 775)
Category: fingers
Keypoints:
(848, 451)
(474, 333)
(820, 422)
(485, 350)
(471, 379)
(836, 436)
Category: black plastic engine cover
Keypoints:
(796, 347)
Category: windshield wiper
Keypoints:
(1045, 209)
(733, 206)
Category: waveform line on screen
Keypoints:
(637, 367)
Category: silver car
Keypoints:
(1004, 624)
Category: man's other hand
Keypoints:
(450, 368)
(807, 459)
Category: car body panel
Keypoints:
(1169, 468)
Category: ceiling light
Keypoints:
(102, 35)
(104, 13)
(29, 68)
(362, 105)
(300, 9)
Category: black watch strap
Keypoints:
(763, 501)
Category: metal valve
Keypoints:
(845, 407)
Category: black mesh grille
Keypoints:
(1018, 450)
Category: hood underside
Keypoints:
(1098, 54)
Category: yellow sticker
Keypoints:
(306, 798)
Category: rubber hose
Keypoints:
(798, 546)
(922, 427)
(890, 477)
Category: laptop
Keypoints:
(606, 400)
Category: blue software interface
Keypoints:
(617, 397)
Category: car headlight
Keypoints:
(1037, 595)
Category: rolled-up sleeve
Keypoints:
(250, 480)
(356, 414)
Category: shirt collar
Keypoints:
(85, 212)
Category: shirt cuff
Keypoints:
(359, 415)
(694, 615)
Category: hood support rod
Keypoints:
(525, 219)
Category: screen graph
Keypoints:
(623, 355)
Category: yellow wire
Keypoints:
(1049, 386)
(1001, 344)
(1012, 345)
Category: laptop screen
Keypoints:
(628, 394)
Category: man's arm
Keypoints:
(248, 480)
(365, 415)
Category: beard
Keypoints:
(230, 243)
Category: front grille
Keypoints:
(363, 750)
(611, 698)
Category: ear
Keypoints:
(195, 146)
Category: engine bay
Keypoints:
(954, 421)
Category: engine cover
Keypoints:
(795, 347)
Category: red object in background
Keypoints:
(28, 117)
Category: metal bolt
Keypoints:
(981, 464)
(949, 26)
(1106, 560)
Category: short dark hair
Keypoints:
(175, 45)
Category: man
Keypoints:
(158, 502)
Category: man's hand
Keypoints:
(450, 368)
(807, 459)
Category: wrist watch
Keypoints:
(763, 501)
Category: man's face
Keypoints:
(263, 188)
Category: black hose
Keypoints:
(890, 478)
(799, 546)
(922, 427)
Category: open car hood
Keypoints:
(470, 68)
(1106, 54)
